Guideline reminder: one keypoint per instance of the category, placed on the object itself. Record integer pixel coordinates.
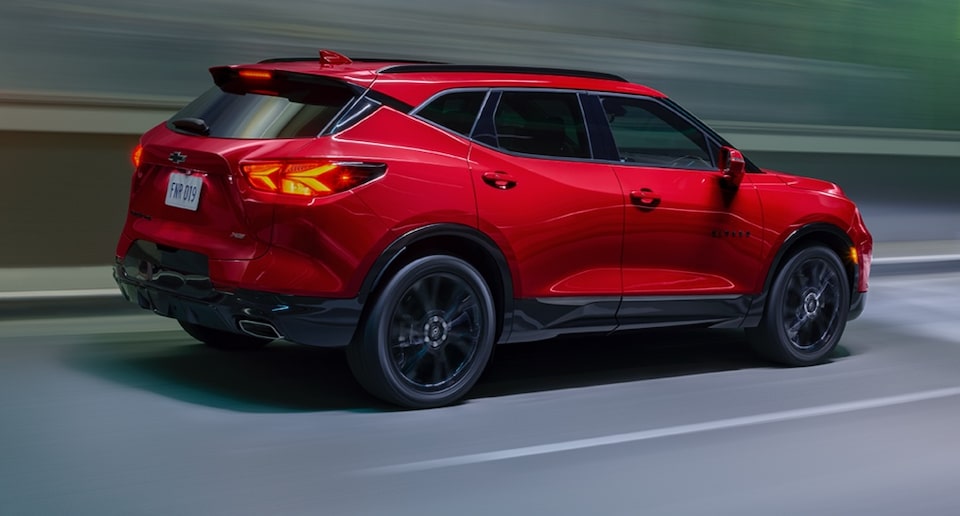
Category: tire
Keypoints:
(428, 335)
(223, 340)
(806, 310)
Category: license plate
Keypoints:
(183, 191)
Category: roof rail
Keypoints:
(433, 67)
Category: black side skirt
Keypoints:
(544, 318)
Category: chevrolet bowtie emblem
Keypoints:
(178, 157)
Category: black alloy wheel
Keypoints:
(428, 336)
(806, 311)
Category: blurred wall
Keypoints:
(790, 67)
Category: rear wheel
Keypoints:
(223, 340)
(428, 335)
(806, 310)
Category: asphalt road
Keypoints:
(124, 414)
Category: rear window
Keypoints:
(274, 110)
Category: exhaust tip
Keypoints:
(259, 329)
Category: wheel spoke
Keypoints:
(455, 303)
(422, 295)
(414, 361)
(441, 369)
(464, 342)
(801, 320)
(461, 318)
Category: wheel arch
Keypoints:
(821, 233)
(458, 240)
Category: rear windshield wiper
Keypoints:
(192, 125)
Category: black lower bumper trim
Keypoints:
(857, 304)
(304, 320)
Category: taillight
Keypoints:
(256, 74)
(310, 178)
(137, 156)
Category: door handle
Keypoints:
(645, 197)
(499, 180)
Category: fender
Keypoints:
(759, 302)
(396, 250)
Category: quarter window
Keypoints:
(541, 123)
(455, 111)
(646, 132)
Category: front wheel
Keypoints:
(806, 309)
(428, 336)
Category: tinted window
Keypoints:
(543, 123)
(455, 111)
(294, 113)
(647, 132)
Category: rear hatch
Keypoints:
(188, 191)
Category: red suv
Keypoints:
(419, 213)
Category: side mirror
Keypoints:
(732, 167)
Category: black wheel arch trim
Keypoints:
(397, 249)
(757, 307)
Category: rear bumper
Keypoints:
(188, 295)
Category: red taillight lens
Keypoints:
(255, 74)
(137, 156)
(310, 178)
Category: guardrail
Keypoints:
(128, 114)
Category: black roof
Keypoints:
(437, 67)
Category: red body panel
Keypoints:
(699, 238)
(561, 225)
(791, 202)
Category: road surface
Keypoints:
(123, 414)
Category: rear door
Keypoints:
(555, 212)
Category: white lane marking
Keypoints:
(916, 259)
(53, 294)
(722, 424)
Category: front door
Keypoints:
(692, 247)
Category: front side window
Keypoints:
(541, 123)
(456, 111)
(648, 133)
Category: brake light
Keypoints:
(310, 178)
(137, 156)
(255, 74)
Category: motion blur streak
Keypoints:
(840, 62)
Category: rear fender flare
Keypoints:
(399, 249)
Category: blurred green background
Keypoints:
(879, 63)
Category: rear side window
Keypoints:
(541, 123)
(282, 110)
(648, 133)
(456, 111)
